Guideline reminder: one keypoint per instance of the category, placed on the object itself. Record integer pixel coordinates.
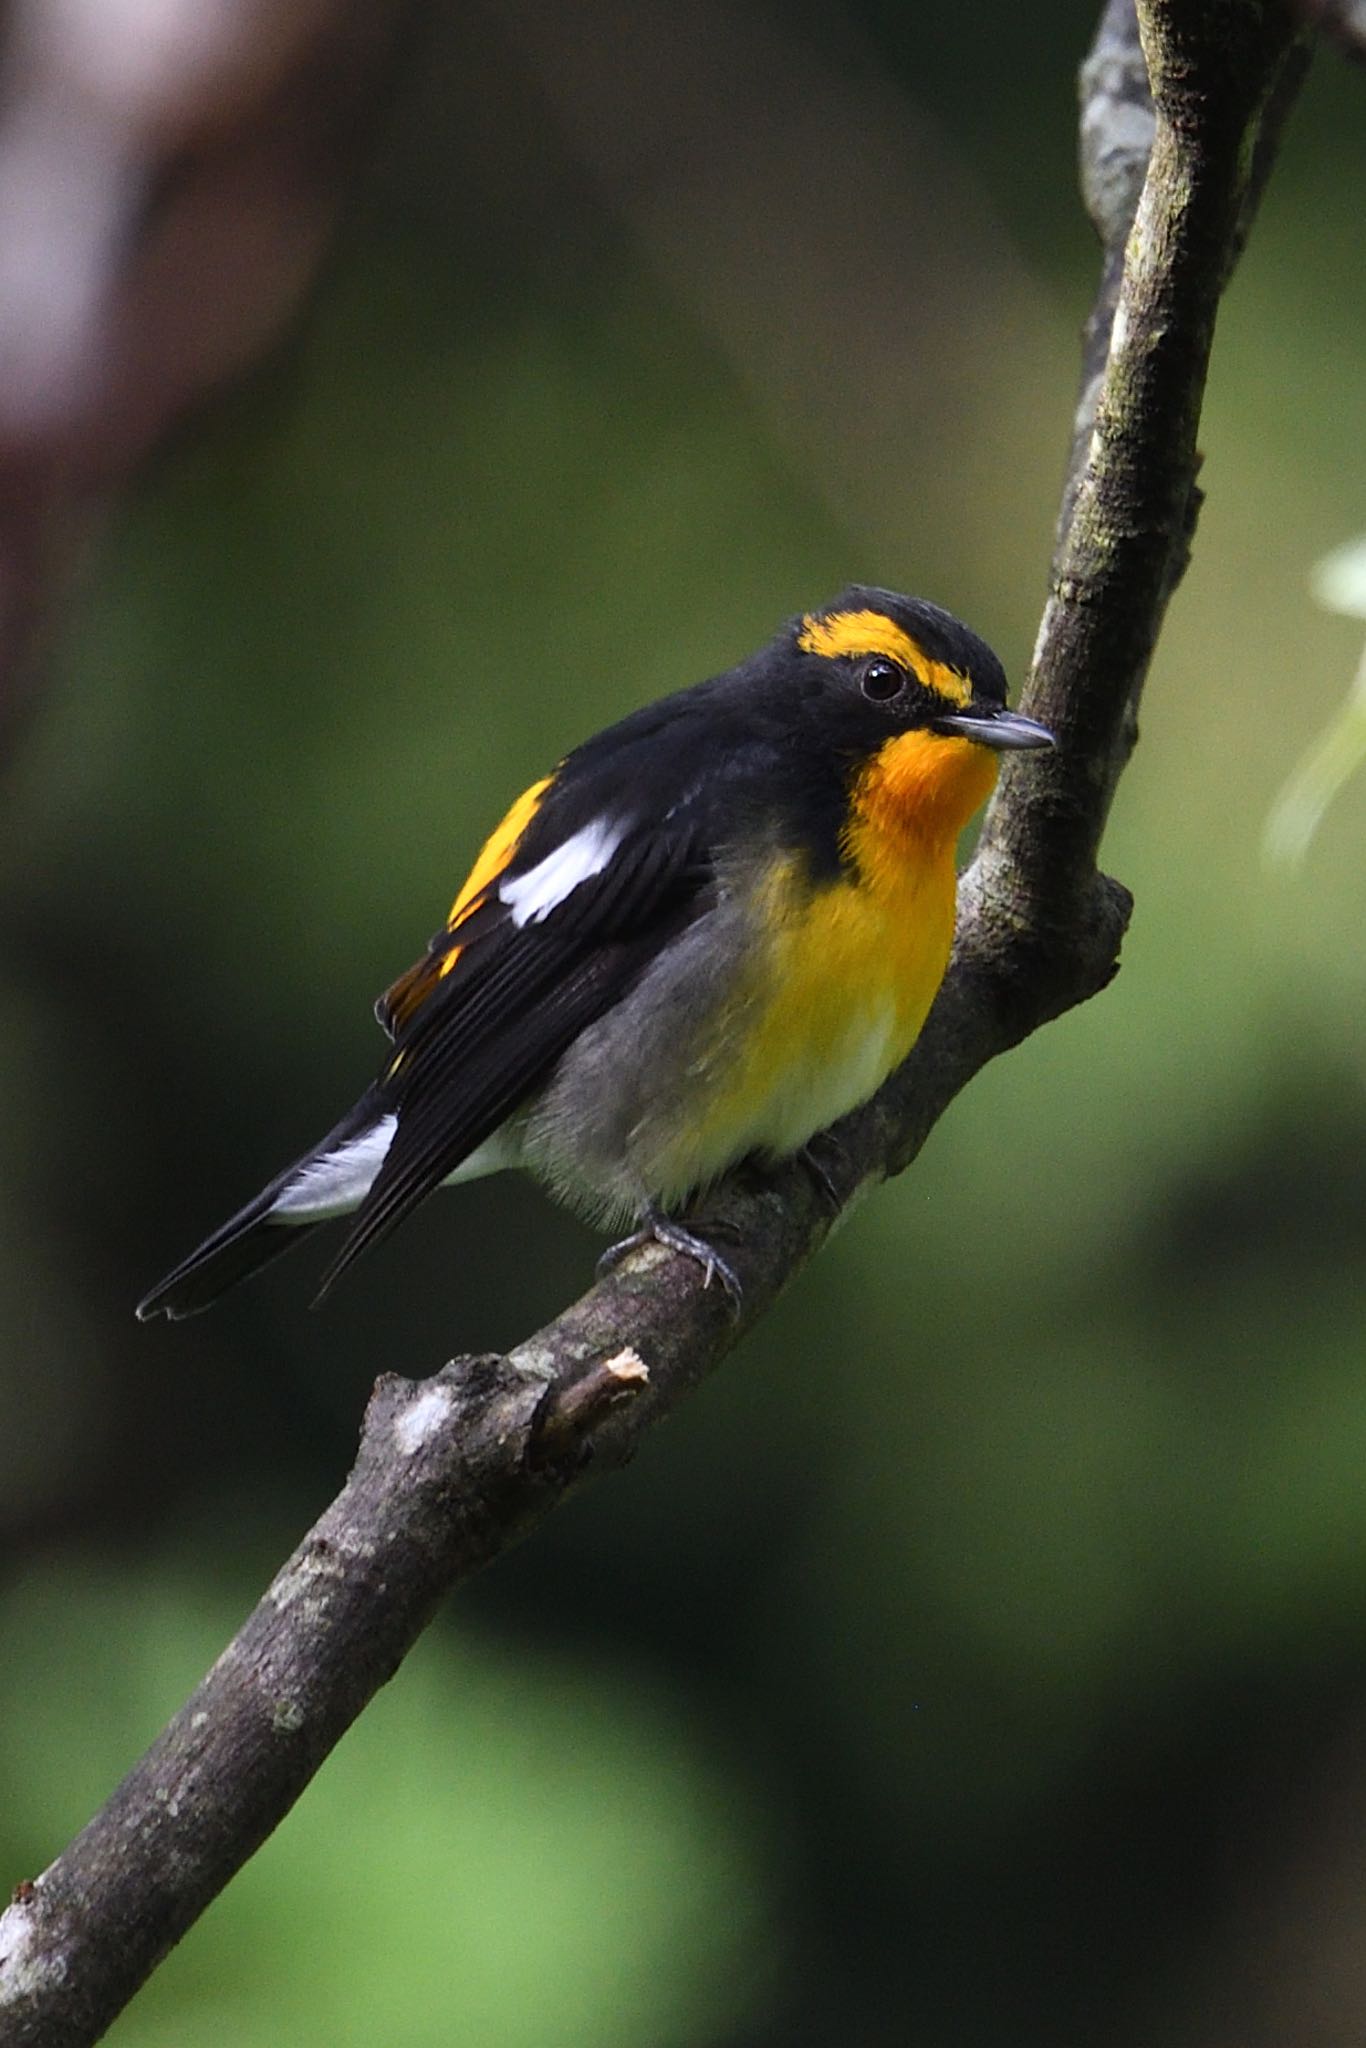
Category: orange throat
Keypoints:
(913, 799)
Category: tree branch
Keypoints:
(453, 1469)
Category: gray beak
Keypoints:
(1006, 731)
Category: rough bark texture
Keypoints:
(454, 1468)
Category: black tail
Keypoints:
(247, 1241)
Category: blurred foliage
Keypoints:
(1339, 585)
(398, 1901)
(931, 1677)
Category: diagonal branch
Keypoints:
(453, 1469)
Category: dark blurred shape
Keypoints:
(1287, 1195)
(169, 174)
(1342, 21)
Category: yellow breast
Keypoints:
(854, 969)
(846, 972)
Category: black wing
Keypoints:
(486, 1015)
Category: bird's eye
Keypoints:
(882, 679)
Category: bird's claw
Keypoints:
(660, 1229)
(820, 1173)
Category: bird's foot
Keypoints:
(660, 1229)
(825, 1175)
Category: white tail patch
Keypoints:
(336, 1182)
(532, 896)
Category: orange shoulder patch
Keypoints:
(497, 851)
(407, 995)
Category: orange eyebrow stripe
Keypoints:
(861, 633)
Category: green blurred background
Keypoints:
(981, 1658)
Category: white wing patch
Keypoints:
(532, 896)
(337, 1182)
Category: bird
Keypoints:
(709, 932)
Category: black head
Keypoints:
(901, 663)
